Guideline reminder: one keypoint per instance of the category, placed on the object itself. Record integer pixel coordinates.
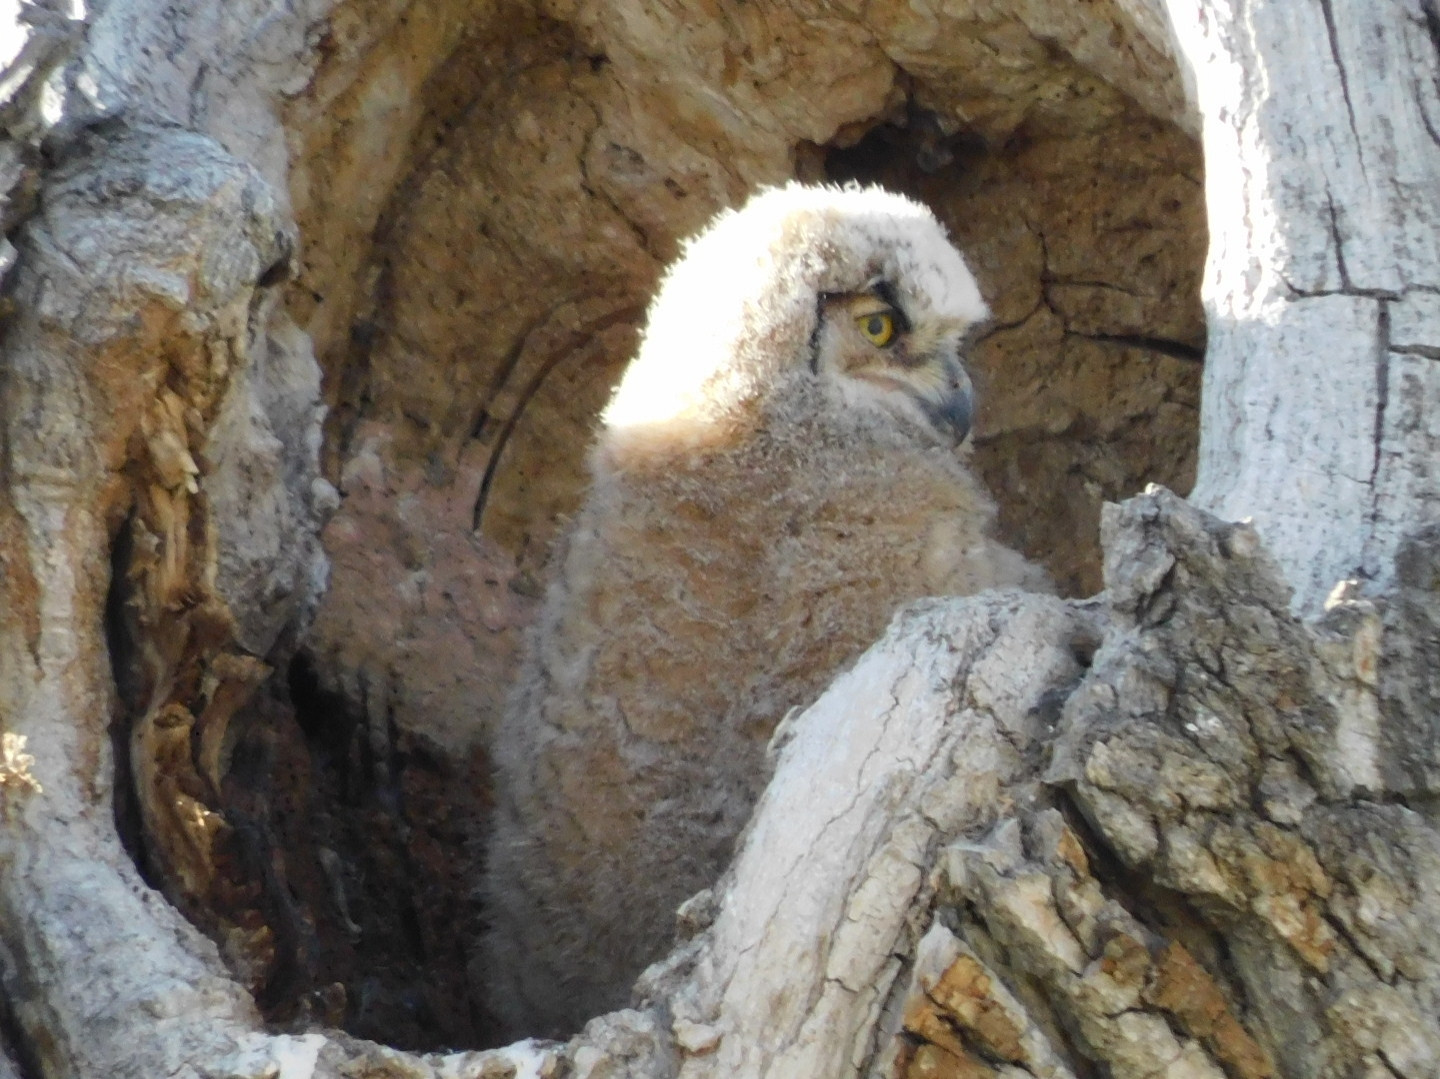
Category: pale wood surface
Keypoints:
(1323, 187)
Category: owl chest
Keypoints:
(773, 548)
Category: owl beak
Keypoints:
(950, 405)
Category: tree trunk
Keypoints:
(1185, 828)
(1321, 167)
(1191, 871)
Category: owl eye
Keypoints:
(878, 328)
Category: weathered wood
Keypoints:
(1323, 191)
(916, 745)
(938, 879)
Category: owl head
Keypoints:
(854, 290)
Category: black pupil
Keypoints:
(875, 327)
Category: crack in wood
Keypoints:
(1431, 14)
(1298, 293)
(1382, 402)
(1428, 352)
(1334, 216)
(1177, 350)
(569, 346)
(1342, 931)
(1389, 1065)
(1330, 29)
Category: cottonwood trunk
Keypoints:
(1321, 163)
(1187, 828)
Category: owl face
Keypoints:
(855, 289)
(881, 352)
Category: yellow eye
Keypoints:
(878, 328)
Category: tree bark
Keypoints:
(1321, 161)
(1187, 828)
(1186, 851)
(146, 350)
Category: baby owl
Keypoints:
(777, 472)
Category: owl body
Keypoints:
(754, 520)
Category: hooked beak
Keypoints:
(950, 405)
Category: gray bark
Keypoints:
(1321, 161)
(1180, 830)
(1204, 865)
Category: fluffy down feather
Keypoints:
(757, 513)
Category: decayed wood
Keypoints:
(138, 312)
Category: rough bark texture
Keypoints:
(1175, 853)
(1174, 830)
(1321, 155)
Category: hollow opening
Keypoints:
(381, 829)
(121, 637)
(1088, 244)
(486, 202)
